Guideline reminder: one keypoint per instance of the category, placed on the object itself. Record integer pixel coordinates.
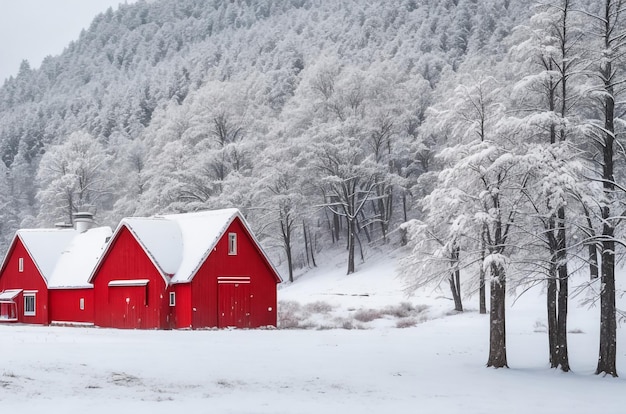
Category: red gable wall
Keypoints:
(134, 307)
(208, 298)
(28, 280)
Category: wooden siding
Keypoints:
(134, 307)
(28, 280)
(248, 262)
(65, 305)
(181, 313)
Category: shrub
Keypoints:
(318, 307)
(406, 323)
(402, 310)
(368, 315)
(289, 315)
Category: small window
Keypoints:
(232, 244)
(81, 303)
(29, 304)
(20, 264)
(172, 298)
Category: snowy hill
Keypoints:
(438, 365)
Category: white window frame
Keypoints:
(27, 311)
(20, 264)
(172, 298)
(232, 244)
(81, 304)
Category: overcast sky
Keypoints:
(34, 29)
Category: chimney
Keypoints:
(83, 221)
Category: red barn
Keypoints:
(193, 270)
(43, 277)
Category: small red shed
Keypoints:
(193, 270)
(70, 294)
(43, 277)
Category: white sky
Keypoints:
(34, 29)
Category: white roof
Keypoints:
(45, 247)
(8, 295)
(64, 257)
(160, 238)
(178, 243)
(78, 259)
(200, 233)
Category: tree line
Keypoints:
(530, 184)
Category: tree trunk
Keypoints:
(312, 242)
(594, 272)
(552, 318)
(562, 357)
(306, 243)
(404, 213)
(285, 228)
(608, 324)
(350, 246)
(497, 326)
(455, 281)
(482, 289)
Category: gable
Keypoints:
(124, 247)
(161, 239)
(258, 249)
(14, 277)
(43, 246)
(221, 236)
(201, 232)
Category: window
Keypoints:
(172, 298)
(29, 304)
(232, 244)
(20, 264)
(81, 303)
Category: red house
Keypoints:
(193, 270)
(43, 277)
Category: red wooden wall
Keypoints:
(65, 305)
(182, 313)
(248, 262)
(28, 280)
(134, 307)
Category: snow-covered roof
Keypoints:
(45, 247)
(200, 233)
(178, 244)
(79, 258)
(64, 257)
(160, 238)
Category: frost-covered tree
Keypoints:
(607, 30)
(281, 200)
(347, 186)
(73, 177)
(550, 50)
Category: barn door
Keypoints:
(127, 304)
(234, 297)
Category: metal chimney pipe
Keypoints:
(83, 221)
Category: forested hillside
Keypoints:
(281, 108)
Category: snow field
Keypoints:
(436, 366)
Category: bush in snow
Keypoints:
(368, 315)
(318, 307)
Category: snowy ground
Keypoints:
(435, 366)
